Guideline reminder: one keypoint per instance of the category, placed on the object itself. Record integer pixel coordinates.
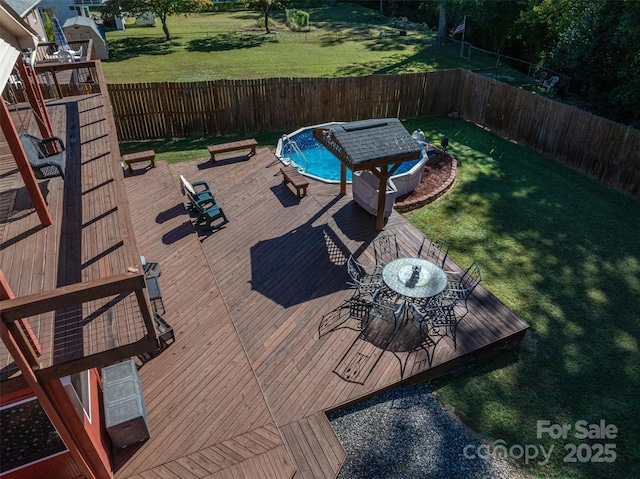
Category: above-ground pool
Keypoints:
(302, 150)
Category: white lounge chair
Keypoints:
(66, 54)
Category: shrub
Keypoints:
(302, 18)
(260, 22)
(226, 6)
(48, 26)
(297, 19)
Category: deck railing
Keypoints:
(45, 52)
(59, 79)
(83, 325)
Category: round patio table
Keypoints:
(414, 277)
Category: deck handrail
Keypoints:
(16, 309)
(71, 295)
(43, 49)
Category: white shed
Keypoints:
(84, 28)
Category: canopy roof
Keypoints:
(365, 144)
(22, 7)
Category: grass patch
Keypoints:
(560, 250)
(342, 40)
(185, 149)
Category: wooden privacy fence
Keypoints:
(159, 110)
(603, 149)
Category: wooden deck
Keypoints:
(261, 353)
(91, 239)
(262, 349)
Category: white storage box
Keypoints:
(364, 186)
(125, 412)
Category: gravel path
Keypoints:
(406, 433)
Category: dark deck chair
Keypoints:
(44, 163)
(197, 192)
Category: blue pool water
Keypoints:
(321, 163)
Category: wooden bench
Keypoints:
(233, 146)
(293, 176)
(139, 157)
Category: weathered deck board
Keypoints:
(271, 274)
(91, 238)
(203, 381)
(243, 390)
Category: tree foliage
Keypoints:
(595, 43)
(160, 8)
(48, 26)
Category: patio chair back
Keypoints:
(460, 290)
(367, 279)
(540, 77)
(434, 250)
(385, 310)
(471, 278)
(187, 186)
(386, 248)
(550, 83)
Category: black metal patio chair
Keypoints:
(434, 250)
(461, 285)
(367, 279)
(384, 309)
(386, 248)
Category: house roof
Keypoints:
(22, 7)
(79, 20)
(368, 143)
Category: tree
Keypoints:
(601, 52)
(264, 6)
(160, 8)
(48, 26)
(442, 21)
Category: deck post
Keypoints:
(10, 133)
(382, 196)
(36, 100)
(343, 178)
(44, 400)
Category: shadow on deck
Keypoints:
(256, 364)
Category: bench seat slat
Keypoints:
(293, 176)
(233, 146)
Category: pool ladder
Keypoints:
(294, 146)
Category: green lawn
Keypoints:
(343, 40)
(562, 251)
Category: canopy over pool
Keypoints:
(315, 160)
